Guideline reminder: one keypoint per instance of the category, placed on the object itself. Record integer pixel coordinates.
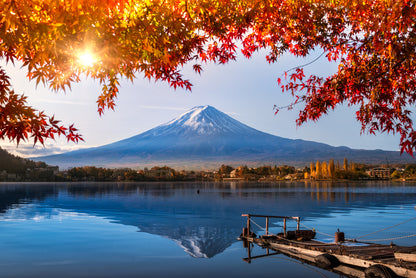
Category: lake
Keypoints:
(184, 229)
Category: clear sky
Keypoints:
(245, 89)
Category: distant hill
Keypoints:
(205, 137)
(14, 164)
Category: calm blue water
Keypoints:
(182, 229)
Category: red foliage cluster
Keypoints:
(18, 121)
(374, 43)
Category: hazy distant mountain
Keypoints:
(204, 137)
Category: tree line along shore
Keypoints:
(16, 169)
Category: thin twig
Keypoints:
(307, 64)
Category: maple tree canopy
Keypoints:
(372, 41)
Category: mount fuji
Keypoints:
(206, 137)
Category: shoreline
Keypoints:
(391, 181)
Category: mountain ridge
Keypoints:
(206, 136)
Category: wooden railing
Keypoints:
(267, 221)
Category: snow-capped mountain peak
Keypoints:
(204, 120)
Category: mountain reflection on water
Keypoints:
(203, 218)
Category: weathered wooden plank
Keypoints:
(405, 257)
(295, 249)
(343, 269)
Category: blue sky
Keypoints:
(245, 89)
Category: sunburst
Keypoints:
(87, 59)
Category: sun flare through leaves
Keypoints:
(87, 59)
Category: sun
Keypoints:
(86, 59)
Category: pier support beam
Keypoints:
(267, 226)
(248, 225)
(284, 227)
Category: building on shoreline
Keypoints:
(380, 173)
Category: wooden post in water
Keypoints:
(267, 226)
(298, 220)
(249, 253)
(248, 224)
(284, 227)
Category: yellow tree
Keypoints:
(318, 170)
(345, 165)
(324, 168)
(313, 172)
(352, 166)
(331, 168)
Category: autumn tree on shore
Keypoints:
(318, 170)
(345, 165)
(328, 170)
(373, 43)
(331, 169)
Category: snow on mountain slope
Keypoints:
(204, 120)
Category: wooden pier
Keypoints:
(353, 259)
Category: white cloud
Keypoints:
(28, 150)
